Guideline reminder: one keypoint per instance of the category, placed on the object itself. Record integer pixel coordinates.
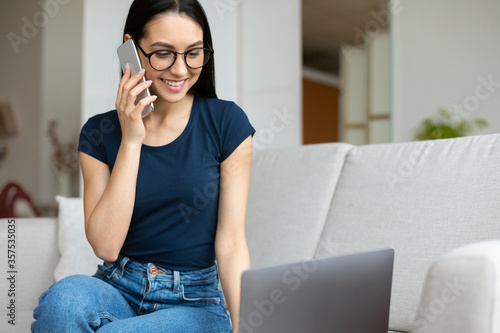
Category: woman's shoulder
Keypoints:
(219, 108)
(217, 104)
(103, 126)
(109, 115)
(103, 120)
(224, 113)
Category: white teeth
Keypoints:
(174, 83)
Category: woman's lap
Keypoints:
(179, 319)
(112, 300)
(78, 301)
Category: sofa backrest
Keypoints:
(289, 197)
(420, 198)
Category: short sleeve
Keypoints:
(236, 127)
(91, 139)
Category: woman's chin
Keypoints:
(169, 99)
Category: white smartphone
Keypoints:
(127, 52)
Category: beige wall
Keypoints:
(40, 64)
(20, 65)
(61, 93)
(443, 51)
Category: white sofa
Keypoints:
(437, 203)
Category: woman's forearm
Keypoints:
(233, 259)
(109, 222)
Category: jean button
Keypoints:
(153, 270)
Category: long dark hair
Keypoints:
(143, 11)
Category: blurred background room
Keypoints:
(305, 72)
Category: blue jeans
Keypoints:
(128, 296)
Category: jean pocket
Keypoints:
(200, 293)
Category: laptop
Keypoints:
(348, 293)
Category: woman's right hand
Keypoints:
(129, 114)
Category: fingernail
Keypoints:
(142, 71)
(154, 96)
(127, 66)
(149, 81)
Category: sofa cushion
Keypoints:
(290, 192)
(420, 198)
(77, 256)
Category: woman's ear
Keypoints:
(126, 37)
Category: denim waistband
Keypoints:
(160, 272)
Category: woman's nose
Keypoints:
(179, 67)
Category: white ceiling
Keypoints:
(326, 24)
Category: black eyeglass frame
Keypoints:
(185, 54)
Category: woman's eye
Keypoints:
(194, 54)
(163, 54)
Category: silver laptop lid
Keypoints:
(349, 293)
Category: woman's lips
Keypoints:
(174, 86)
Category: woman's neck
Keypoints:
(166, 112)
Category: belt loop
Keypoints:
(217, 270)
(123, 262)
(177, 281)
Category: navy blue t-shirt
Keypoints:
(177, 193)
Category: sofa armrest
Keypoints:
(461, 292)
(36, 256)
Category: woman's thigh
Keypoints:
(178, 319)
(79, 303)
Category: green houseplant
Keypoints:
(445, 126)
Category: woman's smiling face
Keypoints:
(177, 33)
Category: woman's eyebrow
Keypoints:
(167, 45)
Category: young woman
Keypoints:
(164, 195)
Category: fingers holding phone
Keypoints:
(129, 110)
(127, 52)
(134, 100)
(131, 90)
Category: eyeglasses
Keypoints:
(164, 59)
